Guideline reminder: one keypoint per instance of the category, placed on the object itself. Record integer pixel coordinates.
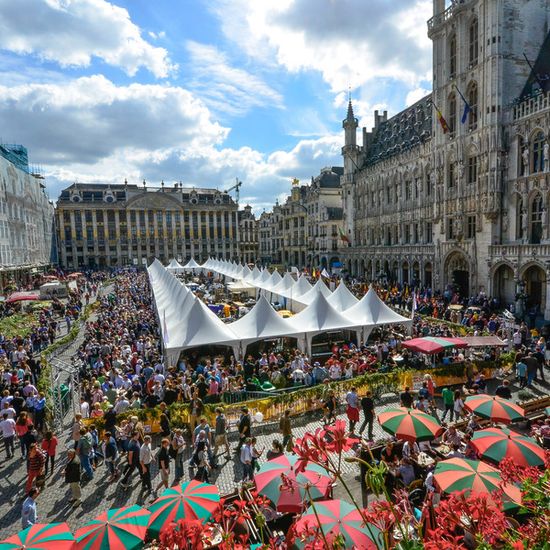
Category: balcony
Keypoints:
(457, 6)
(521, 250)
(531, 106)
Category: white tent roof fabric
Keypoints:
(186, 322)
(342, 299)
(192, 264)
(318, 288)
(174, 266)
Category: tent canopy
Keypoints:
(342, 299)
(192, 264)
(174, 266)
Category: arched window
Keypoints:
(537, 155)
(472, 169)
(451, 176)
(452, 56)
(473, 42)
(536, 220)
(472, 101)
(451, 120)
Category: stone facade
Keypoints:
(248, 236)
(304, 231)
(117, 225)
(466, 207)
(26, 215)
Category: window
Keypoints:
(408, 188)
(452, 56)
(536, 220)
(472, 101)
(470, 227)
(451, 120)
(472, 169)
(474, 42)
(429, 229)
(388, 195)
(451, 176)
(407, 233)
(537, 158)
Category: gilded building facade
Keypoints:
(465, 207)
(117, 225)
(26, 217)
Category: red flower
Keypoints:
(338, 441)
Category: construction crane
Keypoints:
(235, 188)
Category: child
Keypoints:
(49, 446)
(256, 454)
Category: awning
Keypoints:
(22, 296)
(483, 341)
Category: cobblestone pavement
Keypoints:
(99, 494)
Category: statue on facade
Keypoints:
(544, 221)
(525, 158)
(524, 222)
(545, 155)
(461, 170)
(505, 221)
(457, 223)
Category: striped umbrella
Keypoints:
(410, 424)
(116, 529)
(290, 495)
(337, 517)
(433, 344)
(41, 536)
(191, 500)
(497, 444)
(494, 408)
(459, 474)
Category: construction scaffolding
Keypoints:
(65, 384)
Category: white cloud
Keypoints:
(349, 43)
(72, 32)
(225, 88)
(90, 129)
(90, 118)
(415, 95)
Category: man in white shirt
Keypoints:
(84, 408)
(7, 426)
(145, 459)
(246, 459)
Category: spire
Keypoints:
(350, 116)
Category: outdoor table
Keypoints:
(424, 460)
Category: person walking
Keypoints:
(246, 459)
(244, 428)
(7, 426)
(285, 427)
(352, 411)
(329, 408)
(84, 449)
(145, 459)
(164, 466)
(111, 455)
(35, 466)
(406, 398)
(448, 401)
(220, 433)
(367, 404)
(72, 476)
(29, 514)
(458, 405)
(133, 459)
(177, 449)
(201, 460)
(49, 446)
(521, 372)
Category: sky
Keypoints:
(202, 91)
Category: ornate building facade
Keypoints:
(117, 225)
(248, 235)
(305, 230)
(26, 217)
(467, 206)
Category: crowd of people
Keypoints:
(122, 372)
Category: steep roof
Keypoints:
(401, 132)
(539, 78)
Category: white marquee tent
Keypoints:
(174, 266)
(342, 299)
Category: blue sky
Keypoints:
(202, 91)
